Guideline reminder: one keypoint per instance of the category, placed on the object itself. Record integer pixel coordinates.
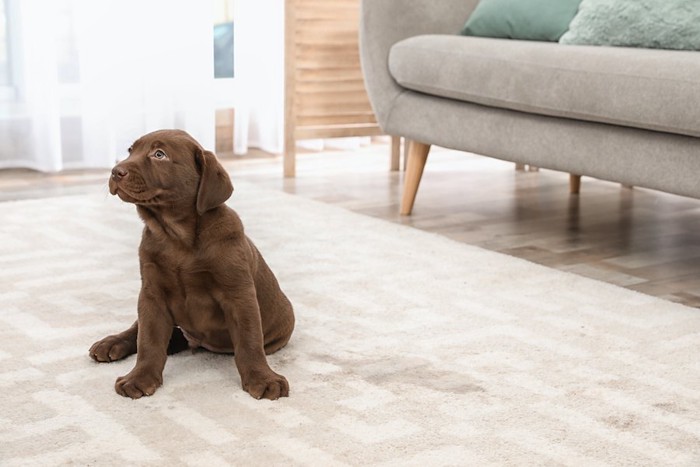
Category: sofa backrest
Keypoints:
(386, 22)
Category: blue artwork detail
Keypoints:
(223, 50)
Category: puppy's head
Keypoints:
(169, 169)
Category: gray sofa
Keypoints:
(620, 114)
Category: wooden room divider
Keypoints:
(325, 95)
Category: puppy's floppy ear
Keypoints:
(214, 183)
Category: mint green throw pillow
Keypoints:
(653, 24)
(535, 20)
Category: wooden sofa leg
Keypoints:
(406, 148)
(417, 156)
(395, 153)
(574, 184)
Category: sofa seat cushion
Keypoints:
(641, 88)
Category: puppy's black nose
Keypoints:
(119, 172)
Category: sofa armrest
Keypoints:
(386, 22)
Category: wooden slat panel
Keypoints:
(330, 122)
(337, 119)
(338, 98)
(327, 43)
(329, 8)
(307, 51)
(325, 93)
(337, 131)
(319, 3)
(327, 28)
(344, 112)
(313, 86)
(310, 52)
(331, 108)
(328, 75)
(328, 62)
(321, 38)
(327, 13)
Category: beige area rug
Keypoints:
(410, 349)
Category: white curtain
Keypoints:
(259, 70)
(90, 76)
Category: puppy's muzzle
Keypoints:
(119, 173)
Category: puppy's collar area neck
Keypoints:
(175, 223)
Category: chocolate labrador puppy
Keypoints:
(203, 282)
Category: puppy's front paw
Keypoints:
(266, 385)
(138, 383)
(112, 348)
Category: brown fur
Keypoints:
(200, 273)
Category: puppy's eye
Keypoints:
(130, 149)
(160, 154)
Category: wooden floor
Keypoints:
(639, 239)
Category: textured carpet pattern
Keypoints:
(410, 349)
